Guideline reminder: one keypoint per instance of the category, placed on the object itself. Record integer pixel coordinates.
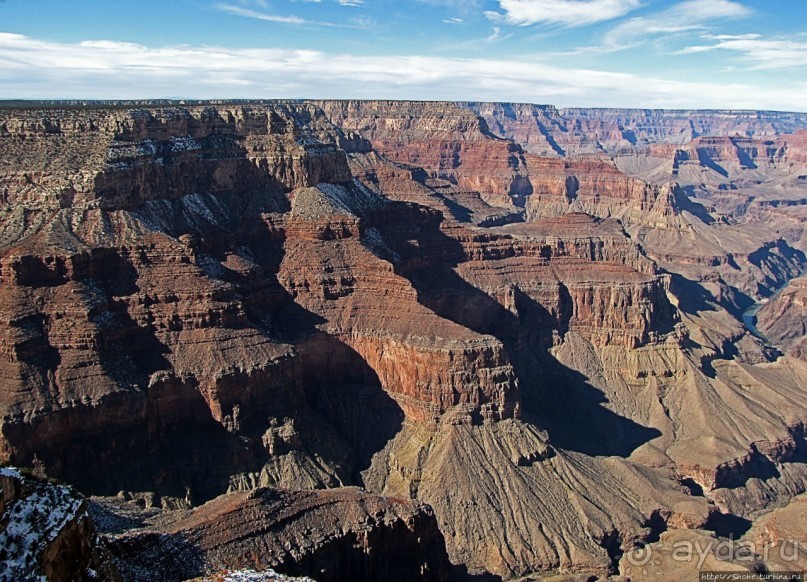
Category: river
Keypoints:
(750, 317)
(750, 314)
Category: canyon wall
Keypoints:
(549, 131)
(422, 299)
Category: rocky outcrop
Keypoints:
(454, 146)
(572, 273)
(775, 543)
(683, 554)
(509, 464)
(448, 142)
(783, 319)
(407, 183)
(427, 373)
(339, 534)
(137, 307)
(127, 158)
(719, 160)
(47, 532)
(207, 312)
(596, 187)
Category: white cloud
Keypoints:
(264, 4)
(563, 12)
(258, 15)
(248, 13)
(689, 16)
(732, 36)
(363, 22)
(350, 2)
(453, 21)
(35, 69)
(496, 35)
(760, 53)
(465, 5)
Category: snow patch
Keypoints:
(211, 267)
(147, 147)
(374, 241)
(33, 522)
(10, 472)
(253, 576)
(198, 209)
(184, 144)
(355, 201)
(195, 206)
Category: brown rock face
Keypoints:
(448, 142)
(127, 158)
(733, 154)
(218, 310)
(593, 186)
(341, 280)
(340, 534)
(571, 273)
(783, 319)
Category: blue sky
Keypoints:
(609, 53)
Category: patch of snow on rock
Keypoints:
(253, 576)
(34, 520)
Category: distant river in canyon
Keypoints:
(750, 314)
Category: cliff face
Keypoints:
(426, 363)
(545, 130)
(308, 295)
(449, 142)
(118, 160)
(783, 320)
(595, 187)
(452, 144)
(108, 279)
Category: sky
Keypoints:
(718, 54)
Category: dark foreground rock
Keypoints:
(338, 534)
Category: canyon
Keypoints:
(378, 340)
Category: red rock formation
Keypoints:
(448, 142)
(143, 316)
(594, 186)
(582, 272)
(340, 279)
(131, 310)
